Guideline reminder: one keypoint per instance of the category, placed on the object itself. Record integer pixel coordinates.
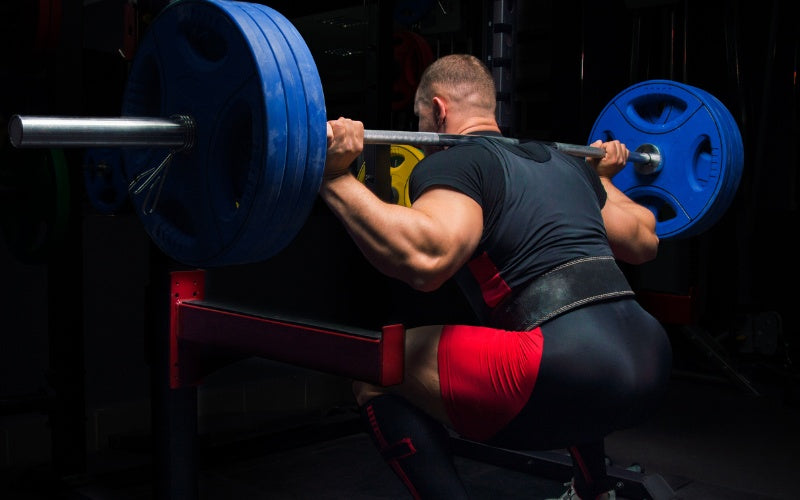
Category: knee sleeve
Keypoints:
(414, 445)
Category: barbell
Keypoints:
(177, 133)
(224, 138)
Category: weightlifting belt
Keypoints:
(569, 286)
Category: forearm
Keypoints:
(630, 226)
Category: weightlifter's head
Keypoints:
(456, 94)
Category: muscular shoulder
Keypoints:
(470, 168)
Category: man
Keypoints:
(564, 355)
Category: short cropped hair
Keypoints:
(461, 78)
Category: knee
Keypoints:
(363, 392)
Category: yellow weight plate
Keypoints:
(403, 159)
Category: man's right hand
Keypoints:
(345, 144)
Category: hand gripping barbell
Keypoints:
(224, 137)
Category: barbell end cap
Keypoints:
(652, 163)
(15, 131)
(649, 167)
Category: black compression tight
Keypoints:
(415, 446)
(604, 367)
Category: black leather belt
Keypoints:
(568, 286)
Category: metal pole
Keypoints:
(51, 131)
(178, 133)
(653, 157)
(420, 138)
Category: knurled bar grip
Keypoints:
(421, 138)
(435, 139)
(178, 133)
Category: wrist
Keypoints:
(328, 177)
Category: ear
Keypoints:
(439, 110)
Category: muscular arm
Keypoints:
(422, 245)
(631, 228)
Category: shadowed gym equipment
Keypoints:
(139, 375)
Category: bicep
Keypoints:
(631, 232)
(456, 224)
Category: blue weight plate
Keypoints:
(721, 198)
(315, 115)
(694, 145)
(300, 73)
(197, 59)
(736, 158)
(104, 180)
(732, 167)
(263, 242)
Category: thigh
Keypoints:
(486, 376)
(473, 379)
(421, 384)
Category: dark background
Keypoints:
(79, 340)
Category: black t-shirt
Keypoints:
(541, 207)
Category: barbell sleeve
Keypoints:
(50, 131)
(177, 133)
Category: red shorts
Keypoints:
(486, 376)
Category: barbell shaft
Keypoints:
(421, 138)
(177, 133)
(435, 139)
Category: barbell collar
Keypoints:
(176, 133)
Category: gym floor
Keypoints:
(712, 440)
